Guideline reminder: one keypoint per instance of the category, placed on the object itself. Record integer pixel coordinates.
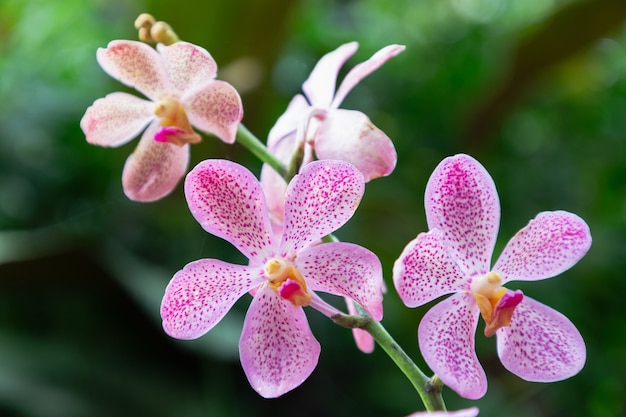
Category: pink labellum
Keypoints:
(503, 311)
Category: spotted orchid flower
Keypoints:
(315, 121)
(181, 89)
(277, 349)
(534, 341)
(468, 412)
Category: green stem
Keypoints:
(254, 145)
(329, 238)
(429, 389)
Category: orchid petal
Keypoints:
(318, 201)
(461, 200)
(277, 349)
(319, 88)
(362, 70)
(227, 200)
(283, 143)
(345, 269)
(541, 344)
(350, 136)
(137, 65)
(425, 271)
(288, 122)
(551, 243)
(446, 340)
(154, 169)
(215, 107)
(274, 187)
(363, 340)
(116, 119)
(467, 412)
(188, 65)
(200, 295)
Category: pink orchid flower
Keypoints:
(534, 341)
(277, 349)
(316, 122)
(179, 82)
(467, 412)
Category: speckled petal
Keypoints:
(468, 412)
(446, 340)
(541, 344)
(154, 169)
(215, 107)
(363, 340)
(116, 119)
(551, 243)
(350, 136)
(277, 349)
(200, 295)
(425, 271)
(227, 200)
(319, 88)
(364, 69)
(136, 65)
(318, 201)
(461, 200)
(345, 269)
(187, 65)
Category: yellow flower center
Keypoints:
(287, 282)
(176, 127)
(495, 308)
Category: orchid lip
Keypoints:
(287, 282)
(176, 127)
(496, 303)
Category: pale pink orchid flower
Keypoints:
(315, 121)
(277, 349)
(181, 89)
(534, 341)
(467, 412)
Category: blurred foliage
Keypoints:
(535, 89)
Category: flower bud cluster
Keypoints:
(153, 31)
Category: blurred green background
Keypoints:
(534, 89)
